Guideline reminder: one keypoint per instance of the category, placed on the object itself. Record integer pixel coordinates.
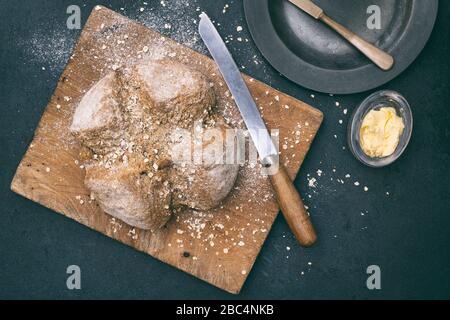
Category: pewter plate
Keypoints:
(309, 53)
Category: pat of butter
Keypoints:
(380, 132)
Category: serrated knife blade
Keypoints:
(287, 196)
(244, 100)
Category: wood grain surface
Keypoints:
(218, 246)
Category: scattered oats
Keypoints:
(387, 193)
(211, 243)
(155, 166)
(347, 176)
(179, 231)
(47, 169)
(145, 49)
(225, 250)
(319, 172)
(309, 263)
(166, 207)
(141, 9)
(313, 96)
(277, 98)
(220, 226)
(312, 182)
(366, 189)
(288, 248)
(243, 271)
(241, 243)
(356, 183)
(81, 201)
(345, 111)
(239, 29)
(337, 104)
(340, 121)
(239, 39)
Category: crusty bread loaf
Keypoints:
(127, 120)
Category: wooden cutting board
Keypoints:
(219, 246)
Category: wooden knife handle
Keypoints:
(382, 59)
(292, 207)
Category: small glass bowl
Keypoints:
(376, 101)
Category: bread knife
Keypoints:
(287, 196)
(382, 59)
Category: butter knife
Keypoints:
(382, 59)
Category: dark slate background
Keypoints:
(405, 233)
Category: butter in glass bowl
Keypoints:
(380, 128)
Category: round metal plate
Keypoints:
(309, 53)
